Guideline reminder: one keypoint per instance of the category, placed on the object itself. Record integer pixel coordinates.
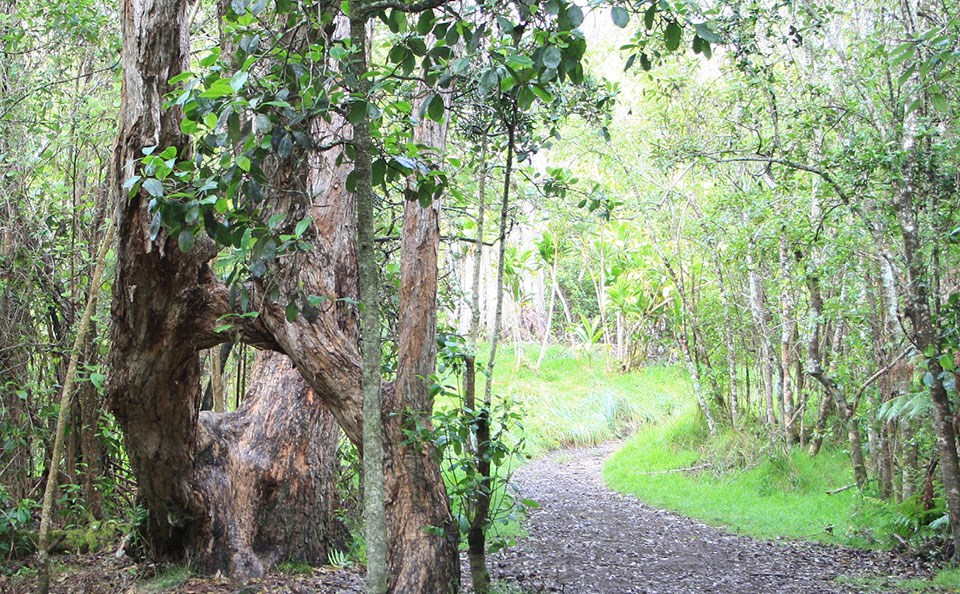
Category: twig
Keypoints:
(676, 470)
(841, 489)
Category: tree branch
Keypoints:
(421, 6)
(841, 193)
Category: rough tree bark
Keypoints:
(165, 309)
(731, 353)
(788, 354)
(266, 492)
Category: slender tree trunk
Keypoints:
(823, 411)
(476, 536)
(66, 402)
(697, 384)
(731, 354)
(374, 493)
(478, 249)
(909, 460)
(787, 348)
(763, 336)
(831, 390)
(552, 302)
(683, 338)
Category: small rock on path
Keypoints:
(586, 539)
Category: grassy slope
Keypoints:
(572, 400)
(773, 496)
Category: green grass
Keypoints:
(169, 578)
(294, 568)
(779, 495)
(946, 580)
(573, 401)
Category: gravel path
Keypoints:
(586, 539)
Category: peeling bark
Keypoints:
(267, 473)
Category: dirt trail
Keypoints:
(586, 539)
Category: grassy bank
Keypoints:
(573, 400)
(731, 484)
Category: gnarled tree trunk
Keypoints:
(165, 309)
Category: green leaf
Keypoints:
(426, 21)
(302, 226)
(906, 75)
(220, 88)
(947, 362)
(285, 145)
(274, 221)
(378, 172)
(292, 311)
(97, 380)
(542, 93)
(574, 16)
(707, 34)
(357, 110)
(188, 126)
(238, 80)
(435, 108)
(620, 16)
(649, 15)
(940, 103)
(316, 300)
(210, 120)
(185, 240)
(672, 35)
(552, 57)
(519, 62)
(153, 186)
(489, 81)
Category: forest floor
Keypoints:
(583, 539)
(586, 539)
